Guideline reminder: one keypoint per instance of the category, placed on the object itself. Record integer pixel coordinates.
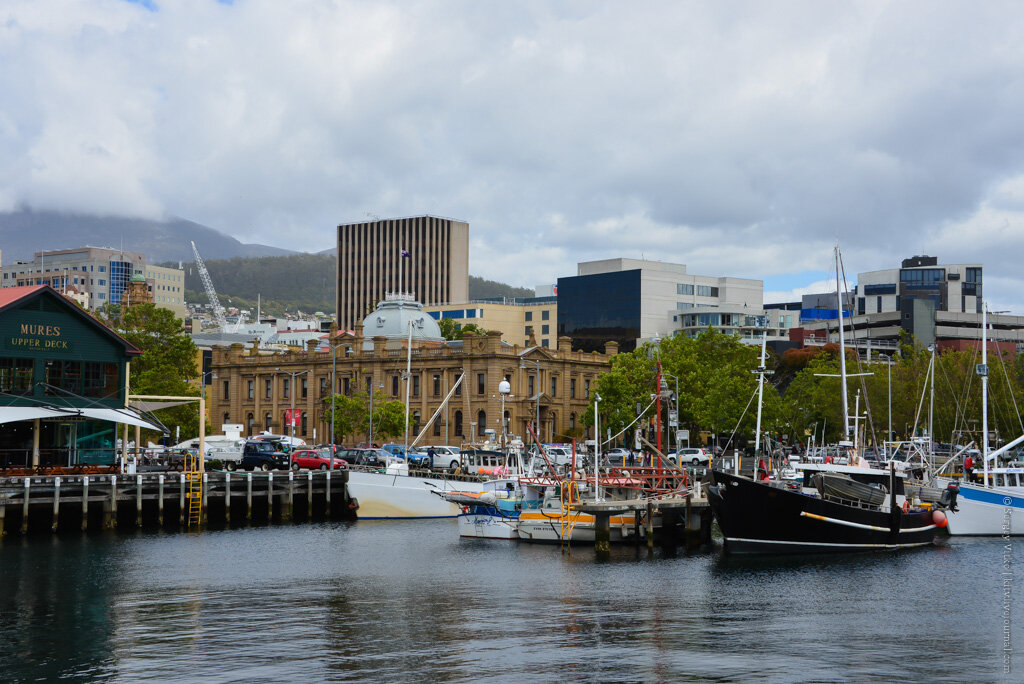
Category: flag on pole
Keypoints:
(405, 253)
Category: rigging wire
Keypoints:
(860, 366)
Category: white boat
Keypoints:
(493, 513)
(995, 506)
(394, 493)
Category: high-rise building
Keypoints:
(425, 256)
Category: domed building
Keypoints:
(138, 291)
(393, 320)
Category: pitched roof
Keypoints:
(10, 296)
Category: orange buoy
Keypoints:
(906, 506)
(939, 518)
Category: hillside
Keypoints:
(295, 282)
(23, 233)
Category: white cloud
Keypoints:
(739, 138)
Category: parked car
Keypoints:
(364, 457)
(445, 457)
(616, 456)
(695, 456)
(315, 459)
(261, 455)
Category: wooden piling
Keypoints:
(227, 498)
(290, 507)
(160, 500)
(650, 527)
(110, 506)
(327, 501)
(181, 501)
(602, 534)
(85, 503)
(206, 489)
(138, 501)
(248, 497)
(3, 520)
(309, 498)
(56, 504)
(24, 506)
(270, 497)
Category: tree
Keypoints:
(389, 419)
(350, 415)
(168, 360)
(450, 330)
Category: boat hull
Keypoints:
(488, 523)
(757, 518)
(987, 511)
(552, 527)
(388, 496)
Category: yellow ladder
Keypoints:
(568, 496)
(195, 489)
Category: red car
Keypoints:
(315, 459)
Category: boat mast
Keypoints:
(842, 349)
(983, 372)
(408, 379)
(760, 398)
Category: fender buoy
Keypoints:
(906, 506)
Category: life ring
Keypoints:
(906, 506)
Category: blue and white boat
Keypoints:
(494, 512)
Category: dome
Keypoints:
(392, 318)
(138, 278)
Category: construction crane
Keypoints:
(211, 294)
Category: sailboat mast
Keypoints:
(760, 397)
(842, 349)
(983, 371)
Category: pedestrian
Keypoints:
(969, 468)
(632, 457)
(429, 462)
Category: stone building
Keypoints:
(258, 388)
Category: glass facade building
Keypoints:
(594, 309)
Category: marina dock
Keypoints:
(684, 520)
(59, 503)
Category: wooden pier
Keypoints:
(58, 503)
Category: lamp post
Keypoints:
(370, 391)
(291, 392)
(504, 389)
(522, 366)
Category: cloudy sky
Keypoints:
(739, 138)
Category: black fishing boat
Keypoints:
(757, 517)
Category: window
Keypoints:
(529, 385)
(16, 376)
(323, 387)
(227, 390)
(481, 422)
(572, 388)
(707, 291)
(269, 389)
(346, 386)
(458, 423)
(554, 387)
(860, 305)
(529, 329)
(250, 424)
(394, 385)
(415, 385)
(251, 389)
(63, 375)
(415, 427)
(305, 389)
(481, 383)
(586, 387)
(545, 315)
(458, 392)
(227, 418)
(437, 385)
(545, 330)
(286, 387)
(529, 315)
(267, 421)
(684, 289)
(544, 343)
(305, 422)
(437, 427)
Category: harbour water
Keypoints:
(409, 601)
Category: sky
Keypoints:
(738, 138)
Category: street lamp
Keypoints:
(370, 390)
(504, 389)
(291, 391)
(522, 366)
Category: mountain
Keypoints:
(297, 281)
(23, 233)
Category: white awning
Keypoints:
(150, 406)
(10, 414)
(125, 416)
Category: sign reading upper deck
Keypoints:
(36, 336)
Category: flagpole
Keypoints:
(401, 260)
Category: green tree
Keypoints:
(167, 365)
(350, 415)
(389, 419)
(450, 330)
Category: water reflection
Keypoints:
(411, 602)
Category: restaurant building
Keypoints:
(63, 382)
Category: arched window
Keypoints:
(458, 423)
(250, 423)
(481, 421)
(572, 420)
(415, 427)
(305, 418)
(504, 427)
(437, 427)
(227, 417)
(267, 420)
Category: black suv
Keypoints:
(257, 455)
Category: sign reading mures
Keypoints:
(38, 337)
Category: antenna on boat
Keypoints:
(982, 370)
